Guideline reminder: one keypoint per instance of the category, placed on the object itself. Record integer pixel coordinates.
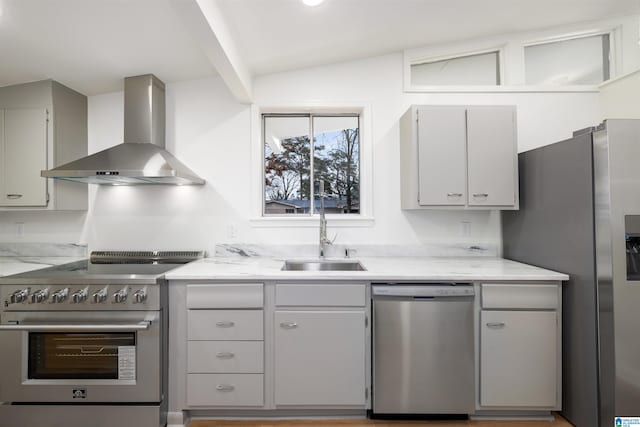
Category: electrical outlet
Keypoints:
(19, 229)
(232, 231)
(465, 228)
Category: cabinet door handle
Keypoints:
(225, 355)
(288, 325)
(225, 387)
(454, 194)
(480, 195)
(496, 325)
(14, 196)
(225, 324)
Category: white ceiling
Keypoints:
(277, 35)
(91, 45)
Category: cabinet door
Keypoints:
(319, 358)
(518, 358)
(441, 156)
(492, 155)
(24, 156)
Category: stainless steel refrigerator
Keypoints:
(580, 214)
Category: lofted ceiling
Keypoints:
(277, 35)
(91, 45)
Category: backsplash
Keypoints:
(29, 249)
(355, 251)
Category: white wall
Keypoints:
(619, 98)
(209, 131)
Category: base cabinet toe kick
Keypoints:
(330, 348)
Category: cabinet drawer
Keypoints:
(520, 296)
(225, 390)
(225, 357)
(225, 325)
(321, 295)
(225, 296)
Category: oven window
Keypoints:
(82, 356)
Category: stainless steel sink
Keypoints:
(322, 265)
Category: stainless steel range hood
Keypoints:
(141, 159)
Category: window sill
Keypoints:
(338, 221)
(503, 89)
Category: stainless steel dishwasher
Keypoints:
(423, 349)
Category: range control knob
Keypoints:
(60, 296)
(100, 296)
(139, 296)
(120, 297)
(40, 296)
(79, 296)
(19, 296)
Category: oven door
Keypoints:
(81, 357)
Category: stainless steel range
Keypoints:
(85, 343)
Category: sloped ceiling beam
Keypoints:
(204, 20)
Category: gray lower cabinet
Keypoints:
(518, 358)
(320, 350)
(319, 358)
(520, 347)
(225, 345)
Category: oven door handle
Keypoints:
(142, 326)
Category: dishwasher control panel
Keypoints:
(426, 290)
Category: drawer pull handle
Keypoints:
(14, 196)
(495, 325)
(454, 194)
(225, 355)
(225, 387)
(480, 195)
(225, 324)
(288, 325)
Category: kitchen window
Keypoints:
(573, 61)
(474, 69)
(572, 58)
(299, 150)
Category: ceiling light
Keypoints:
(312, 2)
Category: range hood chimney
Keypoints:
(141, 159)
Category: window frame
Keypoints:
(512, 58)
(498, 50)
(365, 218)
(312, 192)
(610, 72)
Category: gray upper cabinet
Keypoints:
(459, 157)
(42, 124)
(442, 165)
(492, 156)
(23, 153)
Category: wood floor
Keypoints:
(559, 422)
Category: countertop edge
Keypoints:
(558, 278)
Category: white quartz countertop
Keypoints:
(378, 269)
(13, 265)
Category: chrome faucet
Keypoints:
(324, 241)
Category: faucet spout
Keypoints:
(323, 241)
